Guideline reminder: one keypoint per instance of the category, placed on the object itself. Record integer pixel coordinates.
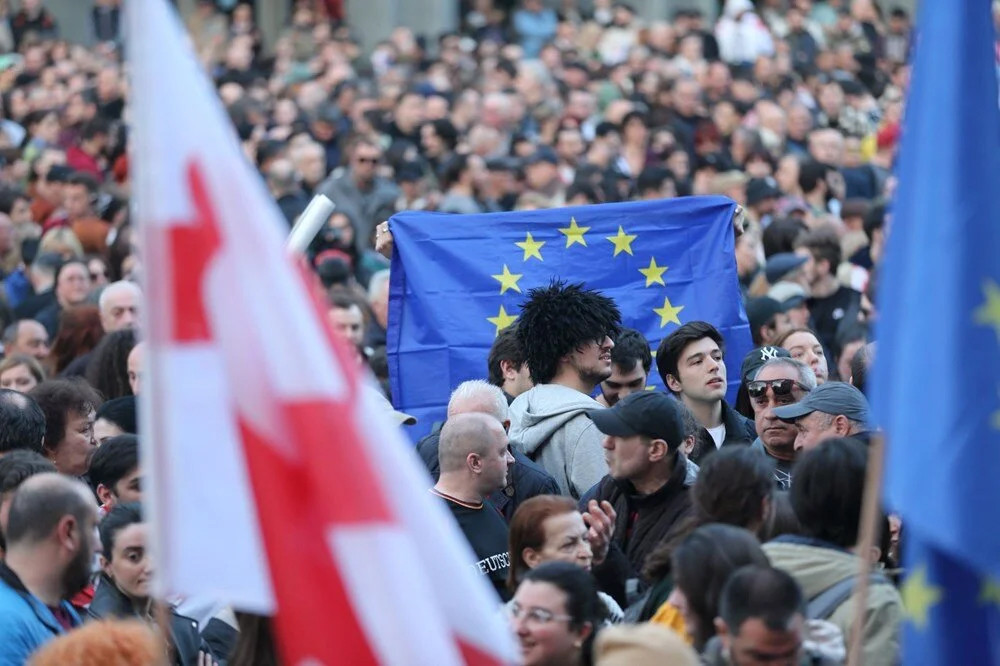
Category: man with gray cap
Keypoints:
(834, 409)
(647, 484)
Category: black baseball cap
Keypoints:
(648, 413)
(760, 310)
(756, 358)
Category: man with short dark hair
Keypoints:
(115, 417)
(22, 422)
(15, 468)
(460, 178)
(768, 320)
(646, 482)
(690, 363)
(762, 620)
(51, 540)
(87, 155)
(474, 462)
(831, 304)
(506, 365)
(826, 498)
(348, 319)
(114, 472)
(630, 363)
(656, 183)
(567, 334)
(835, 409)
(80, 197)
(778, 382)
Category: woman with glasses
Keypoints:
(555, 615)
(549, 528)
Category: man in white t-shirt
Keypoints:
(690, 363)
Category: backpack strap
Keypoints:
(823, 605)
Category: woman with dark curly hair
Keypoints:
(70, 407)
(108, 368)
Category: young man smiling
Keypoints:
(567, 335)
(690, 363)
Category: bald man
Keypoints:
(525, 479)
(51, 540)
(474, 461)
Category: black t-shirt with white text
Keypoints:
(486, 532)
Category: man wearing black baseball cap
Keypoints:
(835, 409)
(768, 320)
(647, 484)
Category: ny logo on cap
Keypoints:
(767, 353)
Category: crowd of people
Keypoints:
(617, 524)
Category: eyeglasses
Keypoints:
(780, 387)
(534, 615)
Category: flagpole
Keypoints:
(868, 529)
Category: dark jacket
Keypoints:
(109, 602)
(642, 523)
(526, 479)
(739, 430)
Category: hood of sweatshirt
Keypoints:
(536, 414)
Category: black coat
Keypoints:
(642, 523)
(109, 602)
(525, 480)
(739, 431)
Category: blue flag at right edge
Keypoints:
(936, 381)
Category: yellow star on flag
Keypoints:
(919, 596)
(502, 320)
(989, 593)
(653, 272)
(668, 313)
(622, 241)
(508, 280)
(531, 247)
(988, 313)
(574, 233)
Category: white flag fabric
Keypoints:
(276, 481)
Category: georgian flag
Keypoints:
(276, 482)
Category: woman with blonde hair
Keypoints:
(61, 241)
(21, 373)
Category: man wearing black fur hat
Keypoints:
(567, 334)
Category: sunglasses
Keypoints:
(780, 387)
(366, 160)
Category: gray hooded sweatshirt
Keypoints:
(551, 425)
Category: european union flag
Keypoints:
(457, 280)
(936, 382)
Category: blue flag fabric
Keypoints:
(456, 280)
(936, 381)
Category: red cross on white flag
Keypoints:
(276, 481)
